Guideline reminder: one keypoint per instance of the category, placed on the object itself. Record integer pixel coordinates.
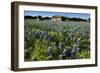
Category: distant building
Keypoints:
(57, 18)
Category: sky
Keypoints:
(50, 14)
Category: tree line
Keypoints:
(63, 18)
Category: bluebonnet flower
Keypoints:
(41, 36)
(84, 34)
(61, 45)
(88, 48)
(74, 39)
(89, 45)
(65, 40)
(35, 33)
(71, 36)
(72, 55)
(49, 51)
(78, 42)
(30, 50)
(65, 52)
(64, 32)
(75, 48)
(48, 38)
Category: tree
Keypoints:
(88, 19)
(40, 17)
(63, 18)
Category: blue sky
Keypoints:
(50, 14)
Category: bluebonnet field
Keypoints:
(56, 40)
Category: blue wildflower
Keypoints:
(75, 48)
(35, 33)
(72, 55)
(41, 36)
(65, 52)
(49, 51)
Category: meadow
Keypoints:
(56, 40)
